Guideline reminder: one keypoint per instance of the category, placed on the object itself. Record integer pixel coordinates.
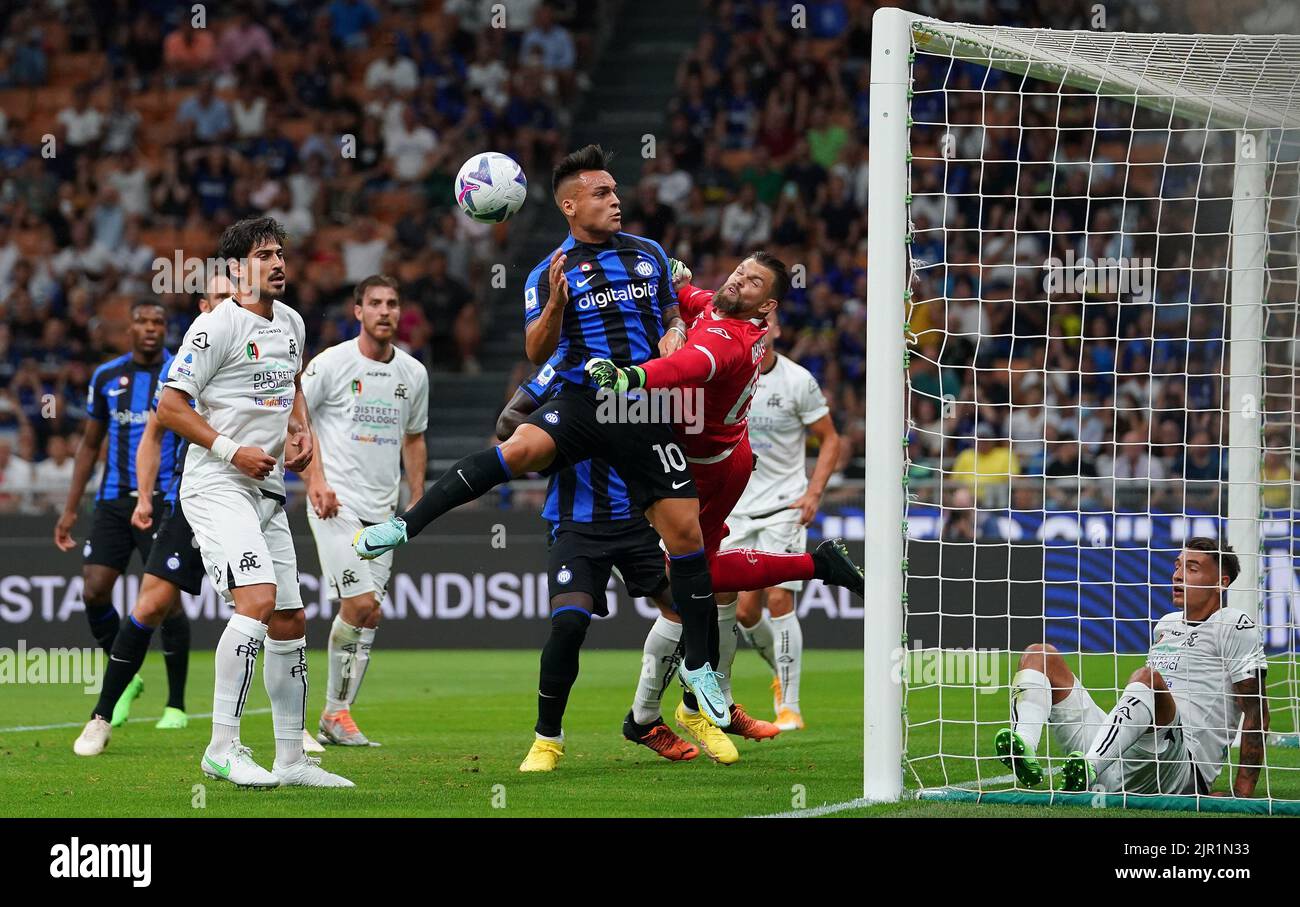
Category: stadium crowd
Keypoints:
(134, 132)
(165, 133)
(1035, 384)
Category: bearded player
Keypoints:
(369, 405)
(240, 366)
(774, 512)
(724, 346)
(1170, 731)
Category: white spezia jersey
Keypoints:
(240, 369)
(1199, 663)
(786, 400)
(362, 410)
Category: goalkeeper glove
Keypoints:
(681, 274)
(609, 376)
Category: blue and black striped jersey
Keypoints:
(170, 483)
(120, 396)
(592, 491)
(618, 291)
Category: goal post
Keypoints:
(1168, 163)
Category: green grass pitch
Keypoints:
(456, 724)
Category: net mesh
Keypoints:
(1070, 204)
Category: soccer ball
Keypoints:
(491, 187)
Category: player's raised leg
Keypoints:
(1042, 680)
(1144, 703)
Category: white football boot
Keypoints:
(236, 765)
(307, 772)
(310, 744)
(94, 737)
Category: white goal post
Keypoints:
(1209, 189)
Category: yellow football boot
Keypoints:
(543, 756)
(712, 740)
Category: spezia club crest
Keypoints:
(356, 385)
(564, 577)
(251, 351)
(644, 268)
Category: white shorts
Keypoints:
(780, 533)
(244, 539)
(1157, 763)
(344, 570)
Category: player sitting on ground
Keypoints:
(1170, 730)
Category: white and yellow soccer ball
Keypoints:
(491, 187)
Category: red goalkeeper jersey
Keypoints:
(722, 356)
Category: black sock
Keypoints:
(470, 478)
(124, 663)
(176, 654)
(692, 591)
(559, 668)
(104, 622)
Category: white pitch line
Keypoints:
(827, 809)
(824, 810)
(71, 724)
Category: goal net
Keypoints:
(1082, 352)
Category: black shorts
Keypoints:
(113, 538)
(175, 555)
(582, 555)
(646, 455)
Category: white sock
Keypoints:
(559, 739)
(236, 665)
(787, 648)
(728, 638)
(286, 685)
(344, 650)
(363, 661)
(760, 640)
(1133, 715)
(1031, 704)
(659, 659)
